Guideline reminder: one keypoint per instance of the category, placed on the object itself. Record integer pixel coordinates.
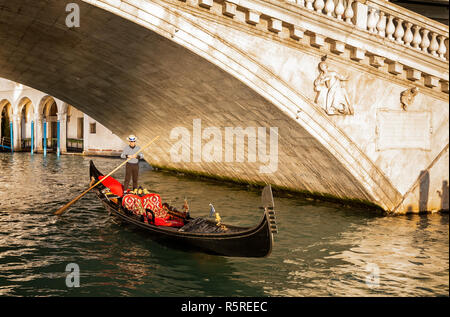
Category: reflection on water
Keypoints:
(321, 249)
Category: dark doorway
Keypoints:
(5, 129)
(5, 123)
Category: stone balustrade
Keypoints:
(408, 28)
(377, 33)
(386, 20)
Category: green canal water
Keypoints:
(321, 249)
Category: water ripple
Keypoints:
(321, 249)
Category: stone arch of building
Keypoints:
(45, 104)
(6, 103)
(5, 119)
(26, 129)
(26, 103)
(48, 108)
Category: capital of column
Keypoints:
(62, 116)
(15, 117)
(38, 117)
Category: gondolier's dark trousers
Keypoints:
(131, 171)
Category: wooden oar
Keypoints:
(64, 208)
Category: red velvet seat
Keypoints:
(113, 184)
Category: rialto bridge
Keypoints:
(355, 91)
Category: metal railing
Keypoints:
(5, 141)
(5, 144)
(26, 144)
(74, 145)
(52, 143)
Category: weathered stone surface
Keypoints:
(229, 9)
(413, 74)
(376, 61)
(403, 130)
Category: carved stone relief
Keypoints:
(331, 94)
(407, 97)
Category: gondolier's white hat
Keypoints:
(132, 138)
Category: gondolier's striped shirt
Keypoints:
(130, 151)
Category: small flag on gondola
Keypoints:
(212, 211)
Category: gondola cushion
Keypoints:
(153, 202)
(168, 222)
(137, 204)
(133, 203)
(113, 184)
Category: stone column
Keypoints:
(85, 133)
(38, 127)
(16, 131)
(62, 118)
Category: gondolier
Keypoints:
(132, 166)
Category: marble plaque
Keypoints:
(403, 130)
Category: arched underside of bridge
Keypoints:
(136, 79)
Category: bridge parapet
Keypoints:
(411, 29)
(386, 20)
(385, 37)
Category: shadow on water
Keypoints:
(155, 269)
(322, 249)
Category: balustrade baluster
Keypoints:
(442, 48)
(416, 38)
(319, 5)
(434, 45)
(301, 3)
(408, 34)
(381, 25)
(329, 7)
(372, 20)
(390, 28)
(339, 9)
(348, 13)
(309, 5)
(425, 40)
(399, 32)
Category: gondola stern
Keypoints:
(269, 208)
(270, 225)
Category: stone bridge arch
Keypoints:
(171, 70)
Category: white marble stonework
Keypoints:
(397, 129)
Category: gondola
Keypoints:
(232, 241)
